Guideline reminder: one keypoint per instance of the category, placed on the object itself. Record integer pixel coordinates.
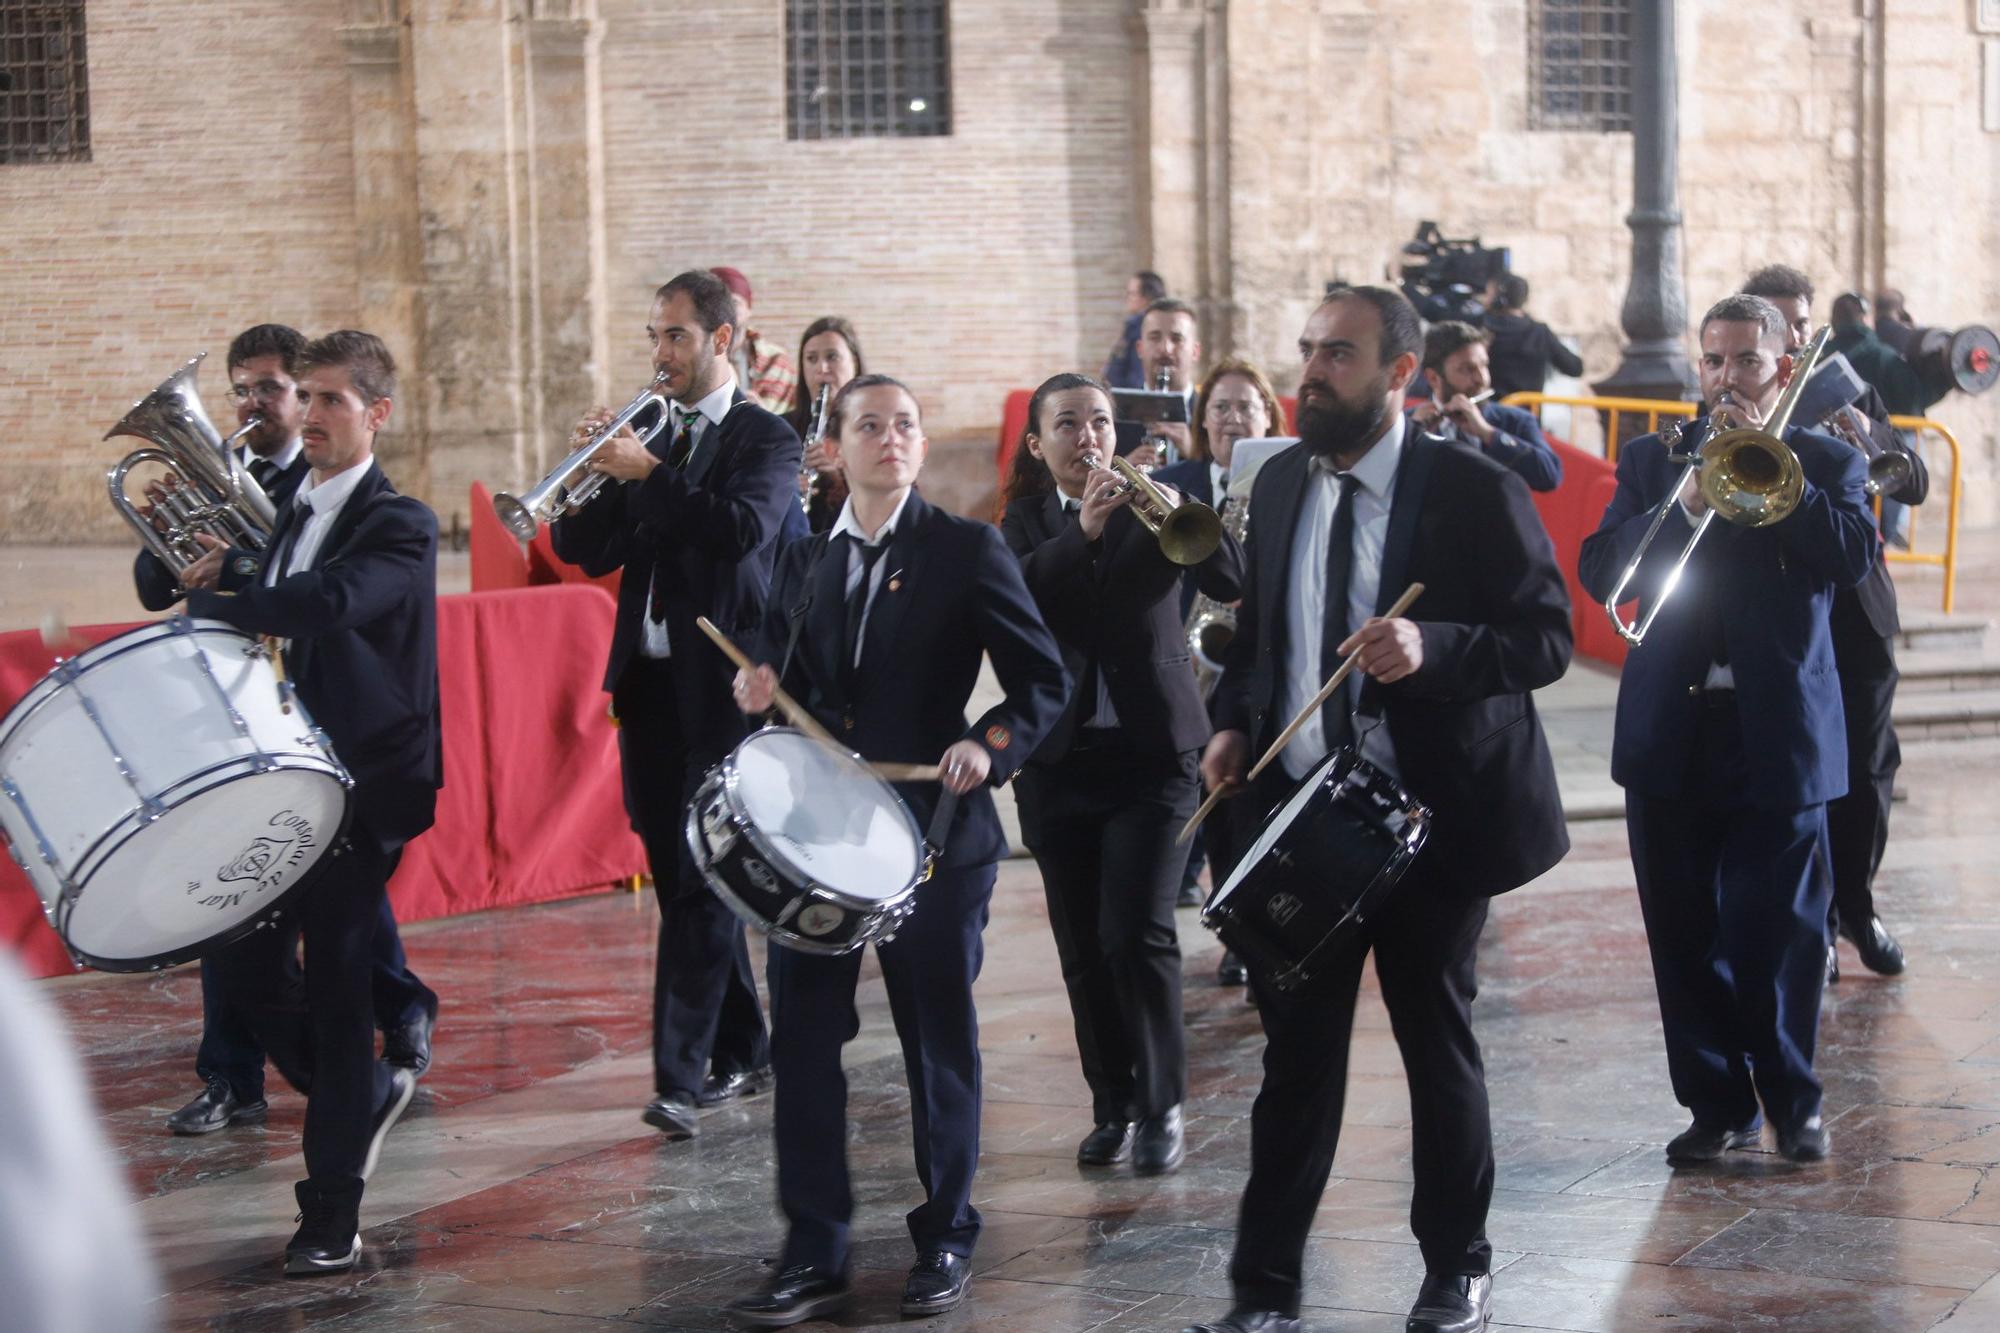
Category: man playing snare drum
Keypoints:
(877, 628)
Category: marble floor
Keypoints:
(523, 1192)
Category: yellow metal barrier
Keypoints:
(1614, 408)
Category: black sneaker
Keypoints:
(329, 1236)
(402, 1085)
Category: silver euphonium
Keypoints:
(1211, 625)
(207, 487)
(563, 491)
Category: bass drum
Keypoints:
(164, 793)
(1323, 863)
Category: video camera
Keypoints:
(1446, 278)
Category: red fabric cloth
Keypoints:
(532, 807)
(1572, 512)
(497, 558)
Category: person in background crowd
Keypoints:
(1523, 348)
(766, 374)
(1126, 369)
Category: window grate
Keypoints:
(44, 83)
(867, 68)
(1580, 65)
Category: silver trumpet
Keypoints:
(563, 491)
(815, 435)
(207, 489)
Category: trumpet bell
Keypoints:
(1887, 473)
(1750, 477)
(516, 517)
(1189, 534)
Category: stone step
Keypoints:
(1937, 670)
(1934, 630)
(1930, 715)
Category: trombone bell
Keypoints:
(1750, 477)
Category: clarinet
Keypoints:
(809, 482)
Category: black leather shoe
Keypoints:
(937, 1282)
(1451, 1303)
(1158, 1143)
(402, 1085)
(329, 1236)
(1107, 1145)
(719, 1088)
(1701, 1142)
(1230, 971)
(1804, 1143)
(1248, 1321)
(1832, 965)
(673, 1114)
(792, 1296)
(217, 1106)
(1878, 949)
(409, 1046)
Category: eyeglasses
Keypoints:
(1222, 411)
(263, 391)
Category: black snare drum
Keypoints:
(1324, 862)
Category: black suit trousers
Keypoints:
(705, 1007)
(1857, 824)
(319, 1027)
(1101, 824)
(928, 970)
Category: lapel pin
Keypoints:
(896, 581)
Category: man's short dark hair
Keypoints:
(1779, 282)
(707, 293)
(1151, 285)
(279, 340)
(1448, 338)
(1402, 331)
(363, 356)
(1510, 292)
(1853, 305)
(1745, 309)
(1171, 305)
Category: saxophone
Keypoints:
(1211, 625)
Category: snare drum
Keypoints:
(1324, 862)
(160, 798)
(806, 843)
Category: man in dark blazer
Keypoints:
(349, 583)
(1865, 625)
(879, 628)
(1729, 744)
(263, 361)
(694, 522)
(1455, 362)
(1450, 685)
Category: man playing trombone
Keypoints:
(1728, 739)
(693, 518)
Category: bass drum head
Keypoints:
(1275, 826)
(205, 871)
(825, 816)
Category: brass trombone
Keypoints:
(563, 491)
(1188, 532)
(1746, 474)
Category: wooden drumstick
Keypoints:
(1346, 668)
(907, 772)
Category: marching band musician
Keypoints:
(1338, 527)
(262, 362)
(1460, 407)
(350, 580)
(695, 527)
(878, 628)
(829, 356)
(1106, 791)
(1728, 742)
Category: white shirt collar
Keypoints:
(324, 497)
(1376, 472)
(716, 405)
(847, 525)
(281, 460)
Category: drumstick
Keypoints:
(1333, 683)
(277, 656)
(907, 772)
(790, 707)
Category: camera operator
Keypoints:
(1523, 348)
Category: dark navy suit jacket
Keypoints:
(363, 656)
(1767, 592)
(949, 592)
(711, 531)
(159, 589)
(1495, 619)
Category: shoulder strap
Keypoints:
(798, 612)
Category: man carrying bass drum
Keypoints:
(1340, 524)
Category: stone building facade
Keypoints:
(497, 186)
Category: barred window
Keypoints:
(44, 85)
(1580, 65)
(867, 68)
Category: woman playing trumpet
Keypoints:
(1104, 794)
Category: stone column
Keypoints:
(1171, 139)
(1655, 363)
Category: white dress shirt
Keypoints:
(1105, 716)
(709, 413)
(1305, 602)
(847, 525)
(320, 503)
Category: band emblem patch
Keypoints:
(998, 737)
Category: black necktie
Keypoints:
(857, 608)
(682, 448)
(1339, 568)
(263, 471)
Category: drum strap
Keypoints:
(804, 604)
(941, 818)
